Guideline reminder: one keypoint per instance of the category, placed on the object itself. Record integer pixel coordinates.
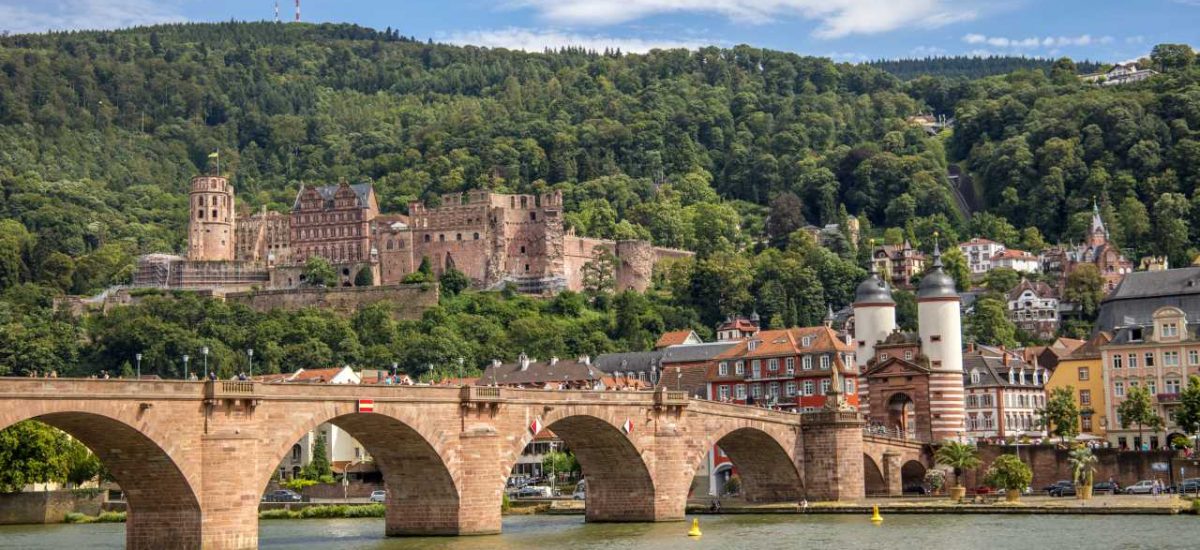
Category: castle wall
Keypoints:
(406, 301)
(577, 252)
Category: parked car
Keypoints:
(1062, 489)
(283, 495)
(580, 490)
(533, 491)
(378, 496)
(984, 490)
(1105, 487)
(1143, 487)
(1187, 486)
(1056, 488)
(915, 490)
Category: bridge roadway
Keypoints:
(194, 457)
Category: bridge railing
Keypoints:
(230, 390)
(891, 433)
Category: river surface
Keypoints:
(836, 532)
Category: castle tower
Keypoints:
(874, 320)
(941, 341)
(211, 220)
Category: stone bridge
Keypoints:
(195, 457)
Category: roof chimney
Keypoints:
(523, 360)
(584, 359)
(553, 360)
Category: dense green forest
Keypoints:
(727, 152)
(970, 66)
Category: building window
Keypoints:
(849, 385)
(753, 345)
(756, 368)
(1193, 357)
(522, 249)
(1152, 386)
(883, 356)
(741, 391)
(1170, 358)
(1085, 397)
(1170, 330)
(790, 388)
(790, 364)
(908, 355)
(1119, 388)
(806, 362)
(1149, 359)
(808, 387)
(806, 341)
(824, 362)
(773, 364)
(426, 237)
(824, 386)
(723, 368)
(1116, 361)
(723, 392)
(1172, 385)
(756, 390)
(1133, 360)
(739, 368)
(1084, 374)
(773, 390)
(1085, 423)
(477, 236)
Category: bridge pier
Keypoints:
(891, 473)
(228, 498)
(833, 455)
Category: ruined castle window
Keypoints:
(522, 249)
(214, 215)
(458, 237)
(442, 237)
(201, 199)
(391, 244)
(200, 214)
(533, 216)
(477, 236)
(426, 237)
(527, 268)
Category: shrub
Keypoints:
(111, 517)
(1196, 506)
(298, 484)
(733, 486)
(1009, 473)
(279, 513)
(333, 511)
(367, 511)
(505, 504)
(76, 517)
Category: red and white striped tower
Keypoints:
(941, 341)
(874, 320)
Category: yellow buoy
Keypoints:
(695, 530)
(875, 517)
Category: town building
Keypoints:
(979, 253)
(1081, 372)
(898, 264)
(1158, 355)
(1003, 395)
(1017, 260)
(1121, 73)
(1048, 356)
(1142, 293)
(1097, 250)
(1033, 308)
(911, 384)
(677, 338)
(553, 373)
(789, 369)
(738, 328)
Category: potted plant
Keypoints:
(1083, 468)
(1010, 474)
(959, 457)
(935, 478)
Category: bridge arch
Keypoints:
(422, 491)
(766, 468)
(620, 486)
(163, 507)
(912, 473)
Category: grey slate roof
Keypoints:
(1141, 293)
(361, 190)
(540, 372)
(691, 353)
(635, 361)
(993, 372)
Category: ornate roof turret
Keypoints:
(937, 283)
(873, 290)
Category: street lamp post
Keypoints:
(185, 367)
(204, 350)
(139, 365)
(460, 370)
(250, 353)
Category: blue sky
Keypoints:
(846, 30)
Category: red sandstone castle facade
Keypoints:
(495, 239)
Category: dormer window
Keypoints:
(1170, 330)
(974, 377)
(806, 341)
(753, 345)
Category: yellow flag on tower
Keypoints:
(214, 154)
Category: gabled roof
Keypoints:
(989, 362)
(540, 372)
(1089, 349)
(905, 364)
(677, 337)
(694, 353)
(979, 241)
(362, 193)
(1014, 254)
(1039, 288)
(634, 361)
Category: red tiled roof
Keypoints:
(673, 338)
(316, 375)
(1014, 254)
(742, 325)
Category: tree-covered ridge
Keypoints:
(969, 66)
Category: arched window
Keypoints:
(201, 199)
(533, 216)
(426, 237)
(458, 237)
(214, 215)
(477, 236)
(200, 214)
(391, 244)
(441, 237)
(522, 249)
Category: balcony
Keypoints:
(230, 392)
(1167, 398)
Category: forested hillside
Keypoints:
(969, 66)
(723, 151)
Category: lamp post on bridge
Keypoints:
(460, 370)
(204, 351)
(250, 353)
(185, 367)
(139, 365)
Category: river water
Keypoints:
(839, 532)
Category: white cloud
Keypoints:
(928, 51)
(1032, 42)
(23, 16)
(837, 18)
(536, 40)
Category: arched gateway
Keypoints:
(194, 457)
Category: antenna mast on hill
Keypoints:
(297, 11)
(276, 11)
